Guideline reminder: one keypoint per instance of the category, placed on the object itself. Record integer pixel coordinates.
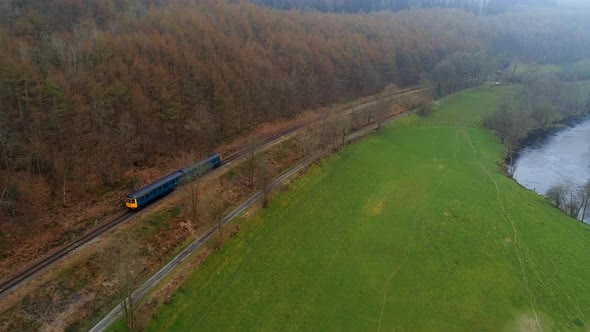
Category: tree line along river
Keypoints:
(561, 156)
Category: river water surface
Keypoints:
(563, 155)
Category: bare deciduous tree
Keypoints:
(265, 174)
(309, 139)
(570, 198)
(381, 112)
(507, 123)
(585, 193)
(544, 113)
(7, 148)
(127, 273)
(217, 206)
(194, 201)
(444, 75)
(334, 129)
(251, 160)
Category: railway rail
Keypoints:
(14, 281)
(24, 275)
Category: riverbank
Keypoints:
(538, 135)
(558, 161)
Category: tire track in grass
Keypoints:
(533, 262)
(508, 218)
(406, 256)
(457, 145)
(558, 214)
(555, 289)
(411, 240)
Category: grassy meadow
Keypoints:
(413, 229)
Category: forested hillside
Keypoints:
(92, 91)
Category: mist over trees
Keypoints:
(485, 7)
(545, 100)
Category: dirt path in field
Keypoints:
(510, 220)
(412, 236)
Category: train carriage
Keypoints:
(153, 191)
(149, 193)
(203, 166)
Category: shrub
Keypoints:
(425, 108)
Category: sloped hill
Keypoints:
(413, 229)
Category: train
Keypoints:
(146, 195)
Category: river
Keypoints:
(563, 155)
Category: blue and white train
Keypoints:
(153, 191)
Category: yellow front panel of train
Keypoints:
(131, 203)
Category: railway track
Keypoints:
(260, 144)
(24, 275)
(14, 281)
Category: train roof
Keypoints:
(204, 161)
(155, 185)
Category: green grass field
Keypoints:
(413, 229)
